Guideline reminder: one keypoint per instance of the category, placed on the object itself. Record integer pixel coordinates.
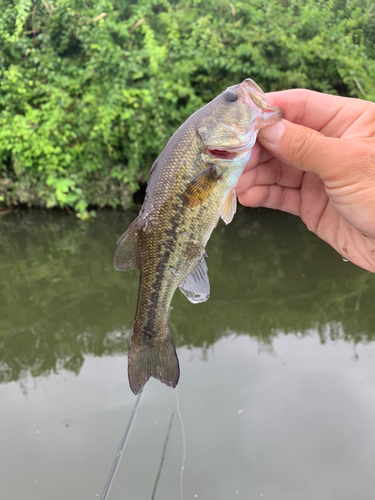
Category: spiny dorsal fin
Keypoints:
(201, 187)
(126, 253)
(196, 286)
(229, 208)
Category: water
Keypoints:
(277, 389)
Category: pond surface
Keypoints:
(277, 392)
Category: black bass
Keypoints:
(191, 185)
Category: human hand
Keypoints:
(319, 164)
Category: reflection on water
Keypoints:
(61, 298)
(277, 368)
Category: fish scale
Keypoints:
(191, 185)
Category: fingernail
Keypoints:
(273, 133)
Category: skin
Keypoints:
(319, 164)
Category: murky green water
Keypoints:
(277, 389)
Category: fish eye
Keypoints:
(230, 96)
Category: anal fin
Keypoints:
(196, 286)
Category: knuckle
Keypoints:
(367, 161)
(362, 158)
(278, 172)
(282, 198)
(304, 146)
(264, 199)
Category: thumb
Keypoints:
(301, 147)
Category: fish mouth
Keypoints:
(231, 152)
(223, 154)
(228, 152)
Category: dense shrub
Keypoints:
(90, 91)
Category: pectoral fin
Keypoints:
(229, 207)
(126, 253)
(201, 187)
(196, 287)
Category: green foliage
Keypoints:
(91, 91)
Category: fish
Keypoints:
(191, 185)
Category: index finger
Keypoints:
(321, 112)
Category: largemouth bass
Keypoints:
(191, 185)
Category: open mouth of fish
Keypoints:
(222, 154)
(230, 152)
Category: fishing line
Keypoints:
(121, 448)
(162, 456)
(183, 445)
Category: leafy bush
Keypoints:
(91, 91)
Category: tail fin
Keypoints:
(156, 358)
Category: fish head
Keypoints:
(229, 124)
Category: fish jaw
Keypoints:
(254, 95)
